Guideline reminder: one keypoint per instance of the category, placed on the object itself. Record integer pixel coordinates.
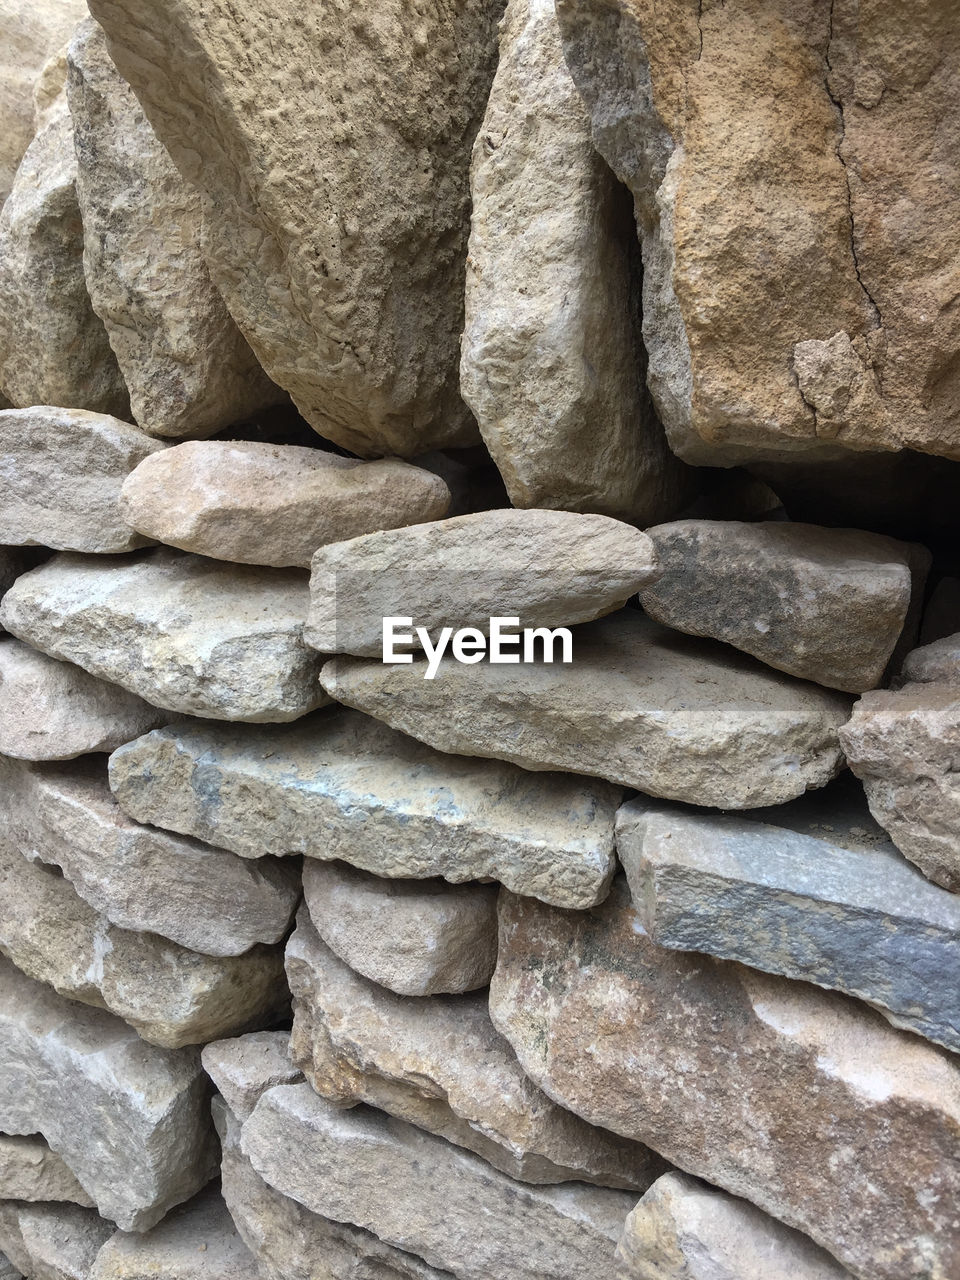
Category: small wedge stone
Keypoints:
(52, 1241)
(29, 1170)
(244, 1067)
(937, 661)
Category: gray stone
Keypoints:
(184, 633)
(130, 1120)
(7, 1270)
(344, 786)
(244, 1067)
(939, 660)
(29, 1170)
(52, 1241)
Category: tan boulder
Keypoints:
(29, 1170)
(52, 1241)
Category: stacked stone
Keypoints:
(446, 968)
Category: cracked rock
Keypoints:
(29, 1170)
(52, 1241)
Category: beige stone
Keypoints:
(342, 785)
(29, 1170)
(273, 504)
(52, 1241)
(130, 1120)
(938, 661)
(244, 1067)
(639, 705)
(183, 633)
(902, 745)
(335, 223)
(53, 348)
(824, 604)
(552, 361)
(800, 1100)
(416, 937)
(439, 1064)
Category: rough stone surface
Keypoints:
(7, 1270)
(342, 785)
(52, 1241)
(864, 921)
(731, 1074)
(824, 604)
(794, 182)
(171, 996)
(336, 228)
(29, 1170)
(683, 1229)
(206, 899)
(416, 937)
(188, 369)
(53, 348)
(419, 1193)
(546, 567)
(902, 746)
(184, 633)
(273, 504)
(13, 562)
(639, 705)
(244, 1067)
(937, 661)
(52, 710)
(129, 1119)
(439, 1064)
(552, 360)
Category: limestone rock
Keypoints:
(7, 1270)
(546, 567)
(864, 921)
(824, 604)
(247, 1066)
(129, 1119)
(439, 1064)
(903, 746)
(344, 786)
(273, 504)
(552, 363)
(419, 1193)
(53, 348)
(816, 319)
(184, 633)
(416, 937)
(29, 1170)
(171, 996)
(639, 705)
(335, 229)
(142, 879)
(52, 1241)
(13, 562)
(800, 1100)
(685, 1230)
(934, 662)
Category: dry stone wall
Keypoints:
(431, 860)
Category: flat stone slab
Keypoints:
(130, 1120)
(186, 634)
(342, 785)
(639, 705)
(29, 1170)
(244, 1067)
(52, 1241)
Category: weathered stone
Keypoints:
(552, 359)
(140, 878)
(545, 567)
(802, 1101)
(198, 1241)
(184, 633)
(416, 937)
(188, 369)
(344, 786)
(823, 604)
(171, 996)
(902, 745)
(685, 1230)
(53, 348)
(13, 562)
(273, 504)
(336, 230)
(247, 1066)
(7, 1270)
(419, 1193)
(795, 248)
(439, 1064)
(129, 1119)
(639, 705)
(29, 1170)
(937, 661)
(52, 1241)
(864, 921)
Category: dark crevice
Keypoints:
(700, 28)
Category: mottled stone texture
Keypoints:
(51, 1241)
(29, 1170)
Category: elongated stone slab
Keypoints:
(344, 786)
(419, 1193)
(864, 921)
(29, 1170)
(139, 878)
(639, 705)
(184, 633)
(439, 1064)
(244, 1067)
(130, 1120)
(52, 1241)
(800, 1100)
